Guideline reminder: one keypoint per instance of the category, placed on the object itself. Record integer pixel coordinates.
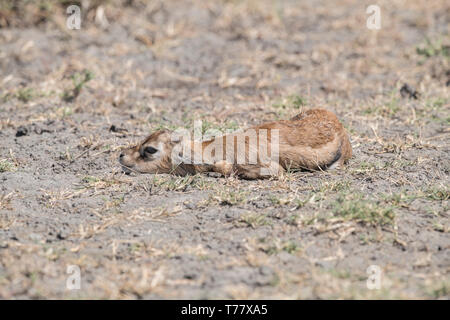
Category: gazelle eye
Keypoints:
(150, 150)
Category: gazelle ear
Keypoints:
(175, 138)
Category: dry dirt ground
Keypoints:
(70, 100)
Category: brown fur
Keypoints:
(313, 140)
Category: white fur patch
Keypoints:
(335, 165)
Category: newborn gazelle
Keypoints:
(312, 140)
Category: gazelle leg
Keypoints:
(258, 171)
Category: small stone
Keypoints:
(116, 129)
(190, 276)
(190, 205)
(35, 237)
(21, 131)
(408, 92)
(265, 271)
(62, 235)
